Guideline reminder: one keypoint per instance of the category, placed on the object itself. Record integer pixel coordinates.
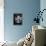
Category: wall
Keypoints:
(43, 6)
(1, 20)
(28, 8)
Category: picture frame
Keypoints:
(17, 19)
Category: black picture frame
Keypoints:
(17, 19)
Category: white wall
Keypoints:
(1, 20)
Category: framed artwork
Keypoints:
(17, 19)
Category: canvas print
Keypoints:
(17, 19)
